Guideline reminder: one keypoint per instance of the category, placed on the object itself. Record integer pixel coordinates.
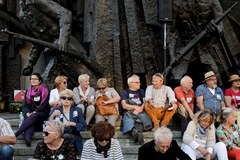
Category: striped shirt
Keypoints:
(5, 130)
(89, 151)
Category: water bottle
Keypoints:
(21, 118)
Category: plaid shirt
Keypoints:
(5, 130)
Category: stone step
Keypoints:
(129, 148)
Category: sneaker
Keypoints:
(134, 134)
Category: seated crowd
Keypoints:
(68, 112)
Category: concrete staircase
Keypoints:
(129, 149)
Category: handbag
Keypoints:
(107, 109)
(182, 110)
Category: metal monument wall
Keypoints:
(103, 38)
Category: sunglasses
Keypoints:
(101, 88)
(106, 139)
(66, 98)
(45, 133)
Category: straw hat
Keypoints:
(209, 74)
(234, 77)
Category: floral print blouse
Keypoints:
(229, 137)
(67, 151)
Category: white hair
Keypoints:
(184, 79)
(130, 79)
(162, 134)
(83, 77)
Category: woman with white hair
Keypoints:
(84, 97)
(53, 146)
(162, 147)
(228, 132)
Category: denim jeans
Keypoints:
(6, 152)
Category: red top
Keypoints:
(235, 97)
(189, 96)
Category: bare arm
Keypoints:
(185, 104)
(8, 139)
(223, 104)
(199, 101)
(228, 101)
(128, 106)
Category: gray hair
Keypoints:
(56, 126)
(184, 79)
(226, 112)
(159, 75)
(130, 79)
(83, 77)
(162, 134)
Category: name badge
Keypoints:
(75, 114)
(36, 98)
(189, 99)
(219, 97)
(131, 95)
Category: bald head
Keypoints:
(186, 82)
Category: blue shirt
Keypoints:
(210, 101)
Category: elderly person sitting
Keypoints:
(102, 145)
(161, 102)
(53, 146)
(162, 147)
(107, 102)
(84, 97)
(61, 84)
(228, 132)
(232, 95)
(71, 116)
(199, 140)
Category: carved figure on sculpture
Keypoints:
(189, 19)
(49, 21)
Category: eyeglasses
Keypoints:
(164, 147)
(66, 98)
(213, 79)
(106, 139)
(45, 133)
(34, 79)
(65, 82)
(101, 88)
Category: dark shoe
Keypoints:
(134, 134)
(28, 142)
(137, 136)
(140, 138)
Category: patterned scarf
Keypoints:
(102, 149)
(41, 91)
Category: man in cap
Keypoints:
(209, 95)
